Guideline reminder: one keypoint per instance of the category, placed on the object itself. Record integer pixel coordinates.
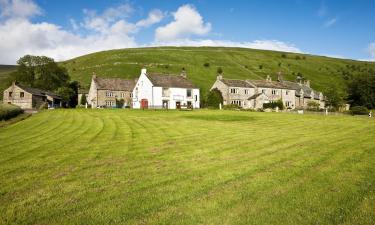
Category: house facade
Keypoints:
(30, 98)
(252, 94)
(107, 92)
(165, 91)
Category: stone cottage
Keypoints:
(106, 92)
(30, 98)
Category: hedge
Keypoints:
(8, 111)
(359, 110)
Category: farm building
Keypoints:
(30, 98)
(165, 91)
(108, 92)
(252, 94)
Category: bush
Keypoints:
(283, 55)
(231, 107)
(214, 98)
(206, 64)
(8, 111)
(359, 110)
(312, 105)
(273, 105)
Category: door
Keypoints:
(178, 105)
(144, 104)
(165, 104)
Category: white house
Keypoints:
(165, 91)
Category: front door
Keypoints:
(178, 105)
(165, 104)
(144, 104)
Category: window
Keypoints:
(109, 103)
(188, 93)
(236, 102)
(22, 94)
(263, 91)
(234, 91)
(131, 94)
(274, 92)
(196, 98)
(288, 103)
(109, 94)
(10, 94)
(122, 94)
(246, 91)
(286, 92)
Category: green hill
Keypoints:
(5, 79)
(236, 62)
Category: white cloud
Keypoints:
(19, 8)
(97, 32)
(155, 16)
(330, 22)
(187, 21)
(257, 44)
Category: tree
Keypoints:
(120, 103)
(83, 99)
(219, 70)
(312, 105)
(335, 96)
(41, 72)
(361, 90)
(214, 98)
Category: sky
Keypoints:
(70, 28)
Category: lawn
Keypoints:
(175, 167)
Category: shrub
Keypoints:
(8, 111)
(359, 110)
(206, 64)
(219, 70)
(120, 103)
(298, 57)
(231, 107)
(283, 55)
(273, 105)
(260, 67)
(214, 98)
(312, 105)
(83, 99)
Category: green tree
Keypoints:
(120, 103)
(214, 98)
(41, 72)
(361, 90)
(335, 97)
(83, 99)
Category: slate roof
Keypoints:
(170, 81)
(236, 83)
(268, 84)
(114, 84)
(39, 92)
(255, 96)
(296, 86)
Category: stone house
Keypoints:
(252, 94)
(30, 98)
(165, 91)
(106, 92)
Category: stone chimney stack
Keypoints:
(93, 75)
(269, 79)
(307, 83)
(183, 73)
(219, 76)
(279, 76)
(144, 71)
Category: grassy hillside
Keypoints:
(200, 167)
(236, 62)
(5, 79)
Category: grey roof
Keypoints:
(170, 81)
(236, 83)
(268, 84)
(255, 96)
(39, 92)
(33, 91)
(296, 86)
(114, 84)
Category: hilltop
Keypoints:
(201, 64)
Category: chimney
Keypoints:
(93, 75)
(219, 76)
(183, 73)
(143, 71)
(14, 83)
(279, 76)
(268, 78)
(307, 83)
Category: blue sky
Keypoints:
(65, 29)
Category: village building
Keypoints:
(165, 91)
(109, 92)
(252, 94)
(30, 98)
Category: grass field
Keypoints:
(173, 167)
